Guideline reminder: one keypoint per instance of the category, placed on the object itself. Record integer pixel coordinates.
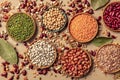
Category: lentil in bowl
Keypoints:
(108, 58)
(54, 19)
(83, 27)
(21, 27)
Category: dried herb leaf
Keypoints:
(7, 52)
(97, 4)
(101, 41)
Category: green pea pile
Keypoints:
(21, 27)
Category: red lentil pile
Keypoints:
(76, 62)
(111, 16)
(83, 27)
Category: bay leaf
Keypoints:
(99, 41)
(7, 52)
(97, 4)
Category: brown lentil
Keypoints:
(108, 58)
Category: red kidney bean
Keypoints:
(80, 6)
(20, 56)
(24, 72)
(5, 63)
(90, 11)
(11, 78)
(31, 66)
(6, 10)
(15, 66)
(99, 18)
(111, 15)
(88, 4)
(5, 17)
(22, 6)
(45, 72)
(114, 37)
(69, 10)
(17, 71)
(12, 72)
(4, 74)
(34, 3)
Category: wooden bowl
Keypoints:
(89, 39)
(43, 67)
(101, 68)
(90, 59)
(30, 35)
(104, 20)
(62, 27)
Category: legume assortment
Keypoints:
(52, 49)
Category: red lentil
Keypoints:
(83, 27)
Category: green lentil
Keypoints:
(21, 27)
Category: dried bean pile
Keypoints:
(42, 54)
(76, 62)
(54, 19)
(108, 58)
(111, 16)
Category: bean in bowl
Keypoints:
(54, 19)
(111, 16)
(42, 54)
(76, 62)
